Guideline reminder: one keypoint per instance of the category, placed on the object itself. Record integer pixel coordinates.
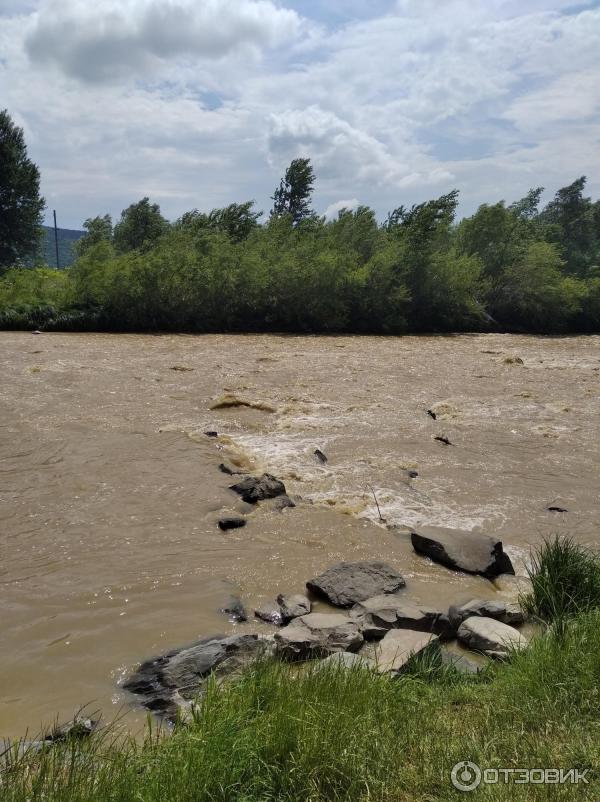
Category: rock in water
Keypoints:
(463, 551)
(489, 636)
(460, 662)
(378, 615)
(507, 612)
(234, 608)
(293, 606)
(320, 456)
(270, 614)
(317, 635)
(253, 489)
(162, 683)
(399, 646)
(346, 584)
(233, 522)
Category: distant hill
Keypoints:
(66, 239)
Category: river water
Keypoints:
(110, 492)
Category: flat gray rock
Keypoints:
(399, 646)
(463, 551)
(348, 660)
(293, 606)
(271, 613)
(489, 636)
(507, 612)
(378, 615)
(317, 635)
(346, 584)
(460, 662)
(180, 674)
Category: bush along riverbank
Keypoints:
(513, 267)
(340, 729)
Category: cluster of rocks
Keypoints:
(253, 489)
(375, 626)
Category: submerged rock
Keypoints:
(320, 456)
(253, 489)
(316, 635)
(346, 584)
(270, 613)
(506, 612)
(463, 551)
(231, 522)
(235, 609)
(293, 606)
(399, 646)
(490, 636)
(161, 683)
(460, 662)
(284, 502)
(380, 614)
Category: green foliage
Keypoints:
(565, 580)
(293, 195)
(505, 267)
(21, 206)
(97, 229)
(140, 226)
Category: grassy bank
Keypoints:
(278, 734)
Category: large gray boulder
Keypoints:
(463, 551)
(163, 682)
(346, 584)
(253, 489)
(399, 646)
(344, 660)
(490, 637)
(507, 612)
(317, 635)
(378, 615)
(293, 606)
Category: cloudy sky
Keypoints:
(198, 103)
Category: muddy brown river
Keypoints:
(110, 492)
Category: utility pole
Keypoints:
(56, 240)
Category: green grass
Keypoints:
(283, 734)
(565, 580)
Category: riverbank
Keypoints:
(283, 733)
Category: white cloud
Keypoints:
(199, 108)
(332, 211)
(109, 39)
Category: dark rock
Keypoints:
(463, 551)
(413, 474)
(270, 614)
(432, 414)
(489, 636)
(507, 612)
(284, 502)
(235, 610)
(80, 727)
(181, 673)
(320, 456)
(211, 434)
(233, 522)
(293, 606)
(557, 509)
(443, 439)
(346, 584)
(253, 489)
(228, 469)
(378, 615)
(316, 635)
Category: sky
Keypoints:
(200, 103)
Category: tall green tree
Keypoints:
(140, 226)
(21, 205)
(294, 193)
(97, 229)
(572, 226)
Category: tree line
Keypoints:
(516, 267)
